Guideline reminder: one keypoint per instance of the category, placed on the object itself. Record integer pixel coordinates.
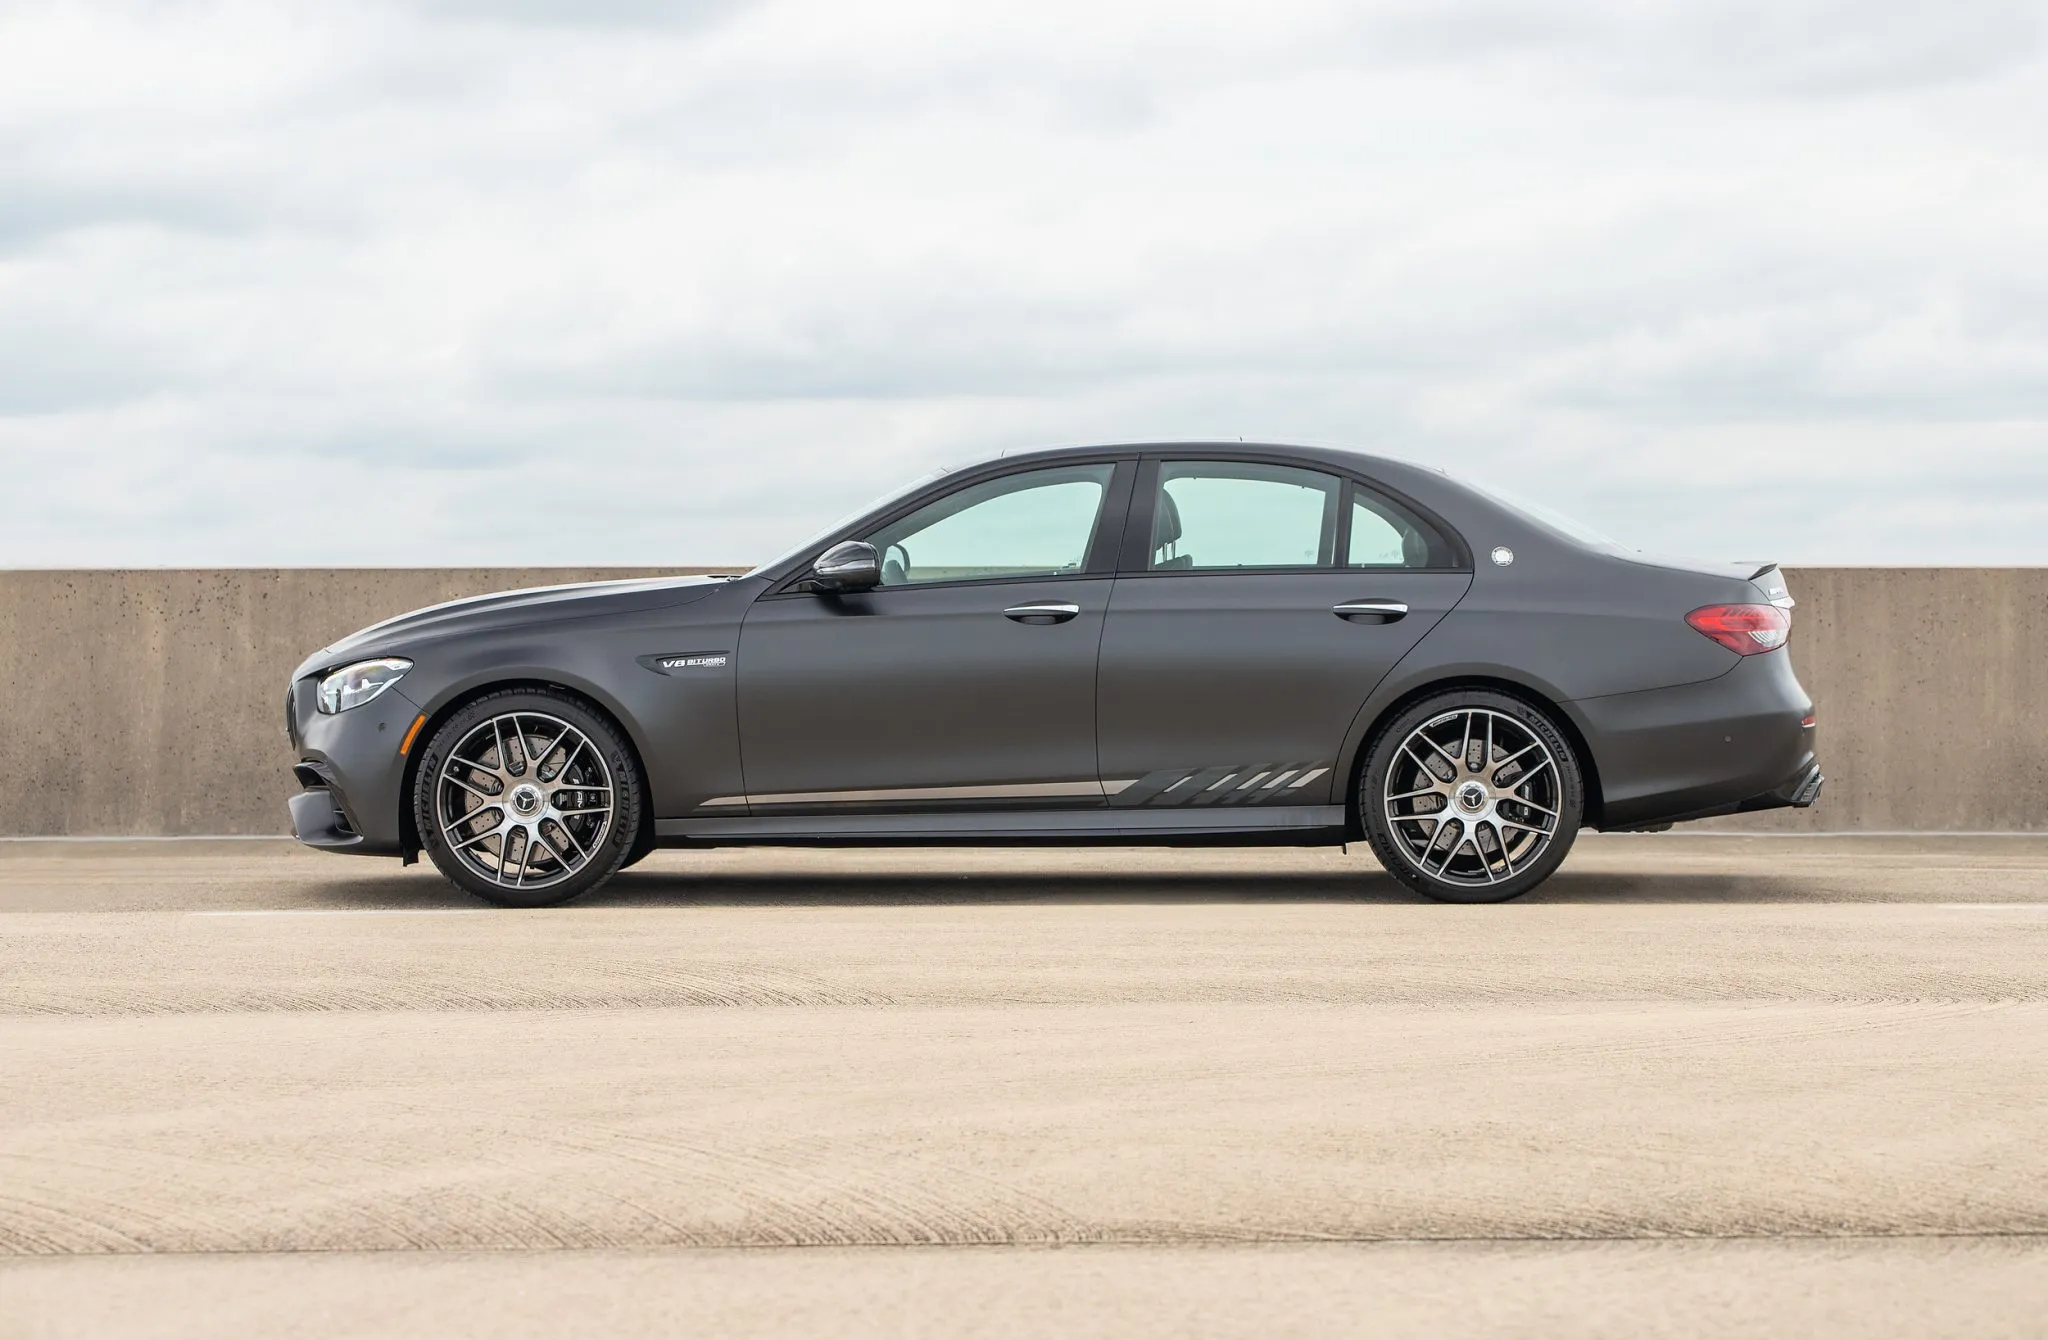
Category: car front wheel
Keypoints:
(527, 798)
(1471, 796)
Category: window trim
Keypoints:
(1103, 543)
(1135, 557)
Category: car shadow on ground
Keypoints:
(668, 888)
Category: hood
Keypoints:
(510, 609)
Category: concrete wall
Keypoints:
(151, 702)
(1932, 690)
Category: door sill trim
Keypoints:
(896, 795)
(1004, 825)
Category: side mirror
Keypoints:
(848, 566)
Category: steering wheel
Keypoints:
(893, 572)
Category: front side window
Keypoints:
(1226, 515)
(1036, 524)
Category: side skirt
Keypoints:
(1304, 825)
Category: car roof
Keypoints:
(1342, 458)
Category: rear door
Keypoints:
(1259, 603)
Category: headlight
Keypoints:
(354, 685)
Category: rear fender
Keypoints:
(1410, 682)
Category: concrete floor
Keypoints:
(1695, 1086)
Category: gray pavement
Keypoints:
(1695, 1086)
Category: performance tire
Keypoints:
(528, 798)
(1471, 796)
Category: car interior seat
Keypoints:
(1414, 549)
(1166, 535)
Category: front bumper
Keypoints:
(1724, 746)
(352, 773)
(318, 820)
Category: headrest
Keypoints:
(1165, 521)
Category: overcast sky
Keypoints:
(677, 281)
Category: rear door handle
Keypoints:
(1045, 611)
(1380, 611)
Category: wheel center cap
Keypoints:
(526, 799)
(1471, 797)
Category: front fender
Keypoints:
(682, 725)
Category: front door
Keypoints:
(965, 681)
(1271, 601)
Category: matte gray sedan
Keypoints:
(1186, 643)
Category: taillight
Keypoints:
(1744, 629)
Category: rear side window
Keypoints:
(1384, 534)
(1232, 515)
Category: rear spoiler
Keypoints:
(1771, 582)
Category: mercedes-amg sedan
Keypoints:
(1187, 643)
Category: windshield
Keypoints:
(1545, 516)
(819, 537)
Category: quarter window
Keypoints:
(1227, 515)
(1386, 536)
(1036, 524)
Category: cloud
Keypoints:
(1834, 47)
(633, 282)
(580, 13)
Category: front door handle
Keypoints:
(1044, 611)
(1379, 611)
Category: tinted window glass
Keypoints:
(1036, 524)
(1230, 514)
(1384, 535)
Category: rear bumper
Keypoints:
(1802, 795)
(1725, 746)
(1797, 792)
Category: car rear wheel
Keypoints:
(1471, 796)
(527, 798)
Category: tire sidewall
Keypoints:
(627, 794)
(1379, 756)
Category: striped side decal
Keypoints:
(1227, 784)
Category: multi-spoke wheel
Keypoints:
(527, 798)
(1471, 797)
